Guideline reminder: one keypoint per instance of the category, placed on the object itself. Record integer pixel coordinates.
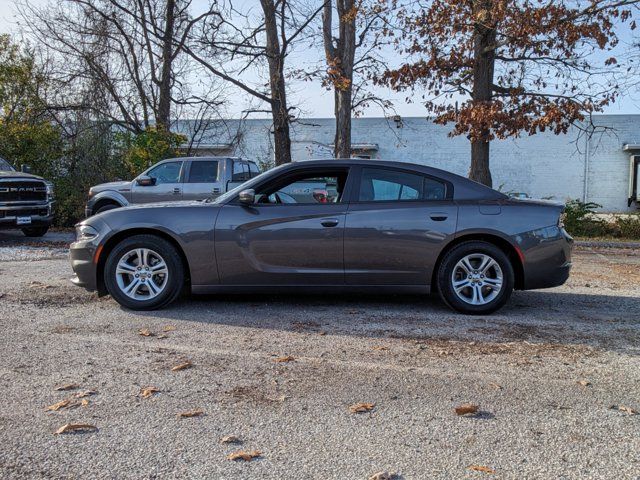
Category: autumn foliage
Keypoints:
(498, 68)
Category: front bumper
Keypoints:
(84, 255)
(40, 215)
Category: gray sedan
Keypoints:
(330, 225)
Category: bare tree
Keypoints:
(241, 46)
(123, 59)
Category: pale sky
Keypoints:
(310, 97)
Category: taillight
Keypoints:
(561, 219)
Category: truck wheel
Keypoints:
(144, 272)
(107, 207)
(35, 231)
(476, 278)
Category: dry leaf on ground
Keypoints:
(182, 366)
(162, 336)
(466, 409)
(230, 439)
(146, 392)
(584, 383)
(495, 385)
(67, 386)
(242, 455)
(59, 405)
(383, 476)
(85, 393)
(75, 427)
(84, 402)
(380, 348)
(145, 332)
(624, 409)
(481, 468)
(191, 413)
(361, 407)
(168, 328)
(284, 359)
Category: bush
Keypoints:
(629, 226)
(580, 221)
(140, 151)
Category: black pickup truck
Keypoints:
(26, 201)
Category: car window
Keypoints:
(253, 169)
(166, 173)
(203, 171)
(382, 185)
(240, 172)
(307, 188)
(4, 165)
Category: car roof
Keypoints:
(464, 188)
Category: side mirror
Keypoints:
(247, 197)
(145, 181)
(25, 168)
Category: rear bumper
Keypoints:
(547, 258)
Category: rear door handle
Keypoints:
(438, 216)
(330, 222)
(176, 191)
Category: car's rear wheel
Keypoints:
(35, 231)
(144, 272)
(475, 277)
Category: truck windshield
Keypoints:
(4, 165)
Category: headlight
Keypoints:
(50, 191)
(86, 232)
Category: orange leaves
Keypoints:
(191, 413)
(246, 456)
(145, 332)
(285, 359)
(146, 392)
(230, 439)
(361, 407)
(71, 402)
(481, 468)
(182, 366)
(466, 409)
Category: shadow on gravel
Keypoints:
(539, 317)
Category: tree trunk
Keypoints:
(279, 109)
(163, 118)
(483, 67)
(340, 58)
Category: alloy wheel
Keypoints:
(142, 274)
(477, 279)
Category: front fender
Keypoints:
(107, 195)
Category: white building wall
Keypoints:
(543, 165)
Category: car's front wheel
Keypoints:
(35, 231)
(144, 272)
(475, 277)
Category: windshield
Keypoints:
(4, 165)
(248, 184)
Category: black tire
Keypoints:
(105, 208)
(35, 231)
(446, 271)
(175, 267)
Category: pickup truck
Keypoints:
(185, 178)
(26, 201)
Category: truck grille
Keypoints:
(22, 191)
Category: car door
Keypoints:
(281, 241)
(396, 226)
(167, 187)
(202, 180)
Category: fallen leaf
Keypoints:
(145, 332)
(624, 409)
(191, 413)
(162, 336)
(75, 427)
(285, 359)
(322, 332)
(380, 348)
(230, 439)
(67, 386)
(84, 402)
(495, 385)
(168, 328)
(67, 402)
(482, 468)
(466, 409)
(383, 476)
(584, 383)
(242, 455)
(361, 407)
(146, 392)
(85, 393)
(182, 366)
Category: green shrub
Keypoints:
(140, 151)
(629, 226)
(579, 220)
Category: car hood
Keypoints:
(118, 186)
(11, 174)
(168, 204)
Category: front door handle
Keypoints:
(438, 216)
(330, 222)
(176, 191)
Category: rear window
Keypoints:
(204, 171)
(382, 185)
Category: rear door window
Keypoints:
(384, 185)
(203, 171)
(240, 172)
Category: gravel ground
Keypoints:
(545, 372)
